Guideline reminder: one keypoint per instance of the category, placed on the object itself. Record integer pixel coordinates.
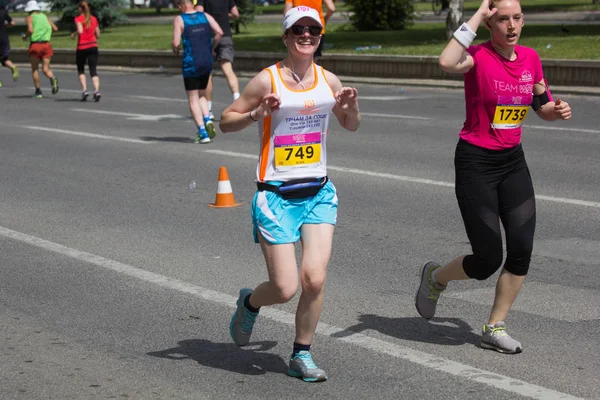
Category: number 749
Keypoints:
(300, 153)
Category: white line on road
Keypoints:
(423, 359)
(412, 179)
(138, 117)
(394, 116)
(386, 98)
(84, 134)
(365, 114)
(558, 128)
(169, 99)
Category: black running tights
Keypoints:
(89, 55)
(493, 186)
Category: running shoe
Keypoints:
(495, 337)
(429, 291)
(54, 83)
(242, 321)
(15, 73)
(211, 116)
(0, 83)
(202, 137)
(84, 95)
(97, 96)
(210, 128)
(38, 94)
(302, 366)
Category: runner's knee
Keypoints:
(284, 291)
(483, 265)
(517, 263)
(313, 282)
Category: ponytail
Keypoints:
(85, 8)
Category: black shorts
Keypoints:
(196, 82)
(4, 47)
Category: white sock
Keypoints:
(236, 95)
(209, 106)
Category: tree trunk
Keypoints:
(455, 16)
(596, 2)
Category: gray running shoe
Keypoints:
(302, 366)
(242, 321)
(429, 291)
(495, 337)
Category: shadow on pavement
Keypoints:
(444, 331)
(21, 96)
(176, 139)
(73, 100)
(251, 360)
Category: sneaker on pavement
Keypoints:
(0, 83)
(242, 321)
(429, 291)
(84, 95)
(38, 94)
(202, 137)
(15, 73)
(210, 128)
(495, 337)
(211, 116)
(302, 366)
(54, 83)
(97, 96)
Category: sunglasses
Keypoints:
(299, 30)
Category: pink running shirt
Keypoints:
(498, 95)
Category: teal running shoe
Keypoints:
(242, 321)
(302, 366)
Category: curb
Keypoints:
(565, 76)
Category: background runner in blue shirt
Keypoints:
(194, 30)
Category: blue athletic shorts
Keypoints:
(279, 221)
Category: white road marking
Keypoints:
(366, 114)
(386, 98)
(558, 128)
(563, 200)
(62, 90)
(168, 99)
(146, 117)
(136, 117)
(423, 359)
(84, 134)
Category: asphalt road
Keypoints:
(117, 280)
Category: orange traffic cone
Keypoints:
(224, 192)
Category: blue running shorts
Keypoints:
(279, 221)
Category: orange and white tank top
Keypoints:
(293, 138)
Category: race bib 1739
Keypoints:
(511, 111)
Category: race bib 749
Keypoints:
(297, 149)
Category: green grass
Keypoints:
(528, 5)
(582, 42)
